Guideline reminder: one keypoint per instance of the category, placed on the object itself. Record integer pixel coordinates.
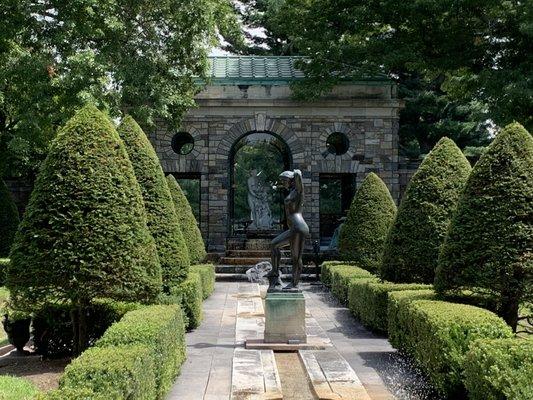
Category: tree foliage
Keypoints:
(362, 236)
(9, 220)
(84, 231)
(414, 240)
(139, 56)
(161, 214)
(188, 224)
(488, 245)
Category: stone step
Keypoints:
(248, 260)
(253, 253)
(236, 277)
(241, 269)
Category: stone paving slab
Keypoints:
(255, 376)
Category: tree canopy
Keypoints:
(139, 56)
(9, 220)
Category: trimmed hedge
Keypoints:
(13, 388)
(362, 236)
(207, 276)
(191, 297)
(118, 372)
(326, 268)
(437, 334)
(488, 246)
(9, 220)
(68, 393)
(500, 369)
(162, 219)
(4, 262)
(161, 330)
(188, 224)
(414, 240)
(341, 275)
(368, 300)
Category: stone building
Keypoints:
(335, 141)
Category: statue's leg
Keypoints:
(279, 241)
(297, 248)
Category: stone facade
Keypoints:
(367, 113)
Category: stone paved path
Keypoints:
(206, 375)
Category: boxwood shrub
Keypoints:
(500, 369)
(161, 330)
(191, 299)
(68, 393)
(326, 270)
(341, 277)
(13, 388)
(437, 334)
(118, 372)
(207, 276)
(368, 300)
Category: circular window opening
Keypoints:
(182, 143)
(338, 143)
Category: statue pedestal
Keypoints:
(285, 318)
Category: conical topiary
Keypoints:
(160, 211)
(84, 232)
(489, 242)
(413, 243)
(188, 224)
(9, 220)
(371, 213)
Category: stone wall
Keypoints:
(366, 114)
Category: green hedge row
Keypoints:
(207, 276)
(500, 369)
(438, 334)
(137, 358)
(326, 270)
(342, 275)
(190, 292)
(368, 300)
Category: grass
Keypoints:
(12, 388)
(4, 294)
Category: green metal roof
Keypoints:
(235, 70)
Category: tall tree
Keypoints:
(135, 55)
(9, 220)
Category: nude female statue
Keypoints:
(295, 236)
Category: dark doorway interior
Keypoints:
(336, 194)
(190, 184)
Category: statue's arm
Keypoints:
(298, 182)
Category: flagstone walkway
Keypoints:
(207, 373)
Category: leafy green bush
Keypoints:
(52, 325)
(13, 388)
(188, 224)
(207, 276)
(340, 280)
(326, 269)
(191, 294)
(160, 211)
(362, 236)
(500, 369)
(84, 232)
(413, 243)
(437, 334)
(159, 328)
(488, 246)
(368, 300)
(3, 268)
(9, 220)
(68, 393)
(118, 372)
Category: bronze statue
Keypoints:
(295, 236)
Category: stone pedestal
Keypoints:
(285, 318)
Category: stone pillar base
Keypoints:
(285, 318)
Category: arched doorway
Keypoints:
(255, 206)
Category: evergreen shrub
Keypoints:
(3, 269)
(326, 269)
(362, 236)
(488, 246)
(437, 334)
(14, 388)
(190, 292)
(160, 329)
(341, 277)
(413, 243)
(207, 276)
(161, 214)
(118, 372)
(500, 369)
(188, 224)
(68, 393)
(84, 232)
(368, 300)
(9, 220)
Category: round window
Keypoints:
(182, 143)
(338, 143)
